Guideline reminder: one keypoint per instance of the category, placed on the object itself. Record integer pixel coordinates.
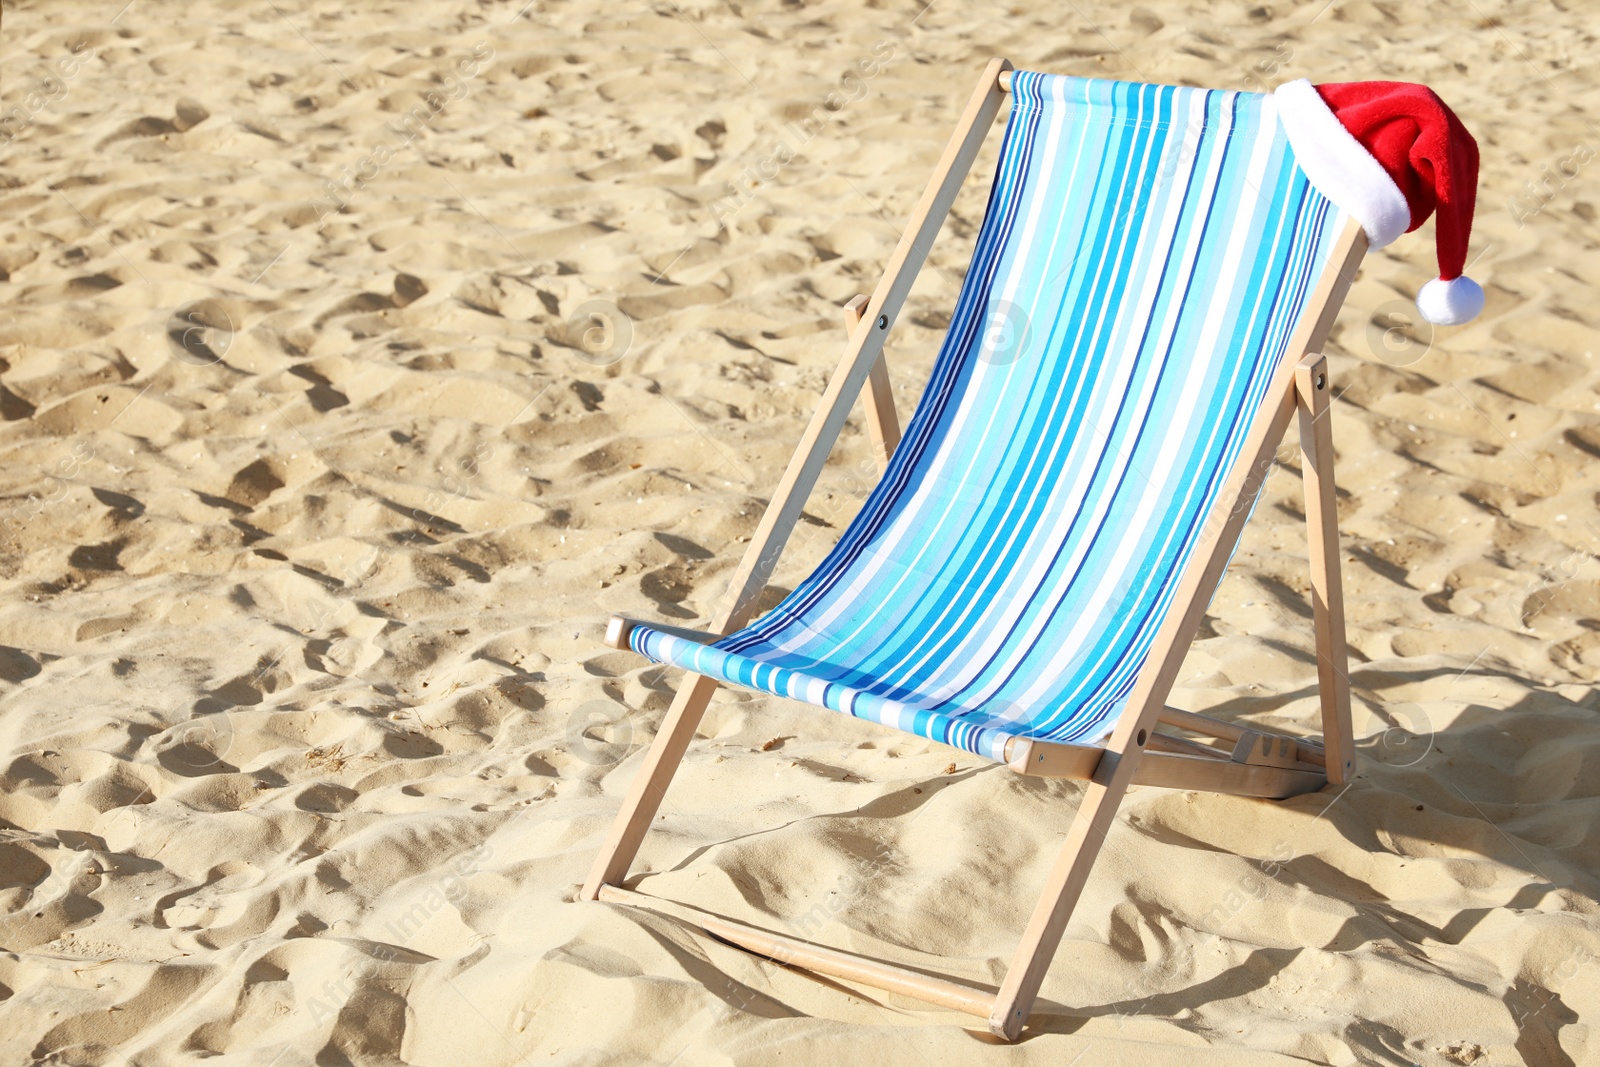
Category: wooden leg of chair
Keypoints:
(1327, 592)
(883, 423)
(1050, 915)
(650, 787)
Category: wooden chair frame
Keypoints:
(1258, 763)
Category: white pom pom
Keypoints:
(1449, 303)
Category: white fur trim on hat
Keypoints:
(1338, 166)
(1452, 302)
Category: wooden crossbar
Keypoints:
(1160, 742)
(1211, 771)
(794, 952)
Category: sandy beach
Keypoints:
(361, 359)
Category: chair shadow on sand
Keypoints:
(1464, 772)
(1454, 782)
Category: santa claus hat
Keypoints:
(1389, 154)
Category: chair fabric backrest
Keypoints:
(1145, 255)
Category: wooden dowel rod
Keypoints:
(1201, 724)
(792, 951)
(1327, 591)
(1184, 746)
(620, 626)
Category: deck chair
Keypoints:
(1140, 323)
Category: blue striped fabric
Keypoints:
(1145, 254)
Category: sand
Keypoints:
(320, 480)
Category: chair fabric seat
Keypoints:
(1144, 257)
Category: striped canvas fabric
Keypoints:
(1145, 254)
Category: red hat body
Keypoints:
(1424, 148)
